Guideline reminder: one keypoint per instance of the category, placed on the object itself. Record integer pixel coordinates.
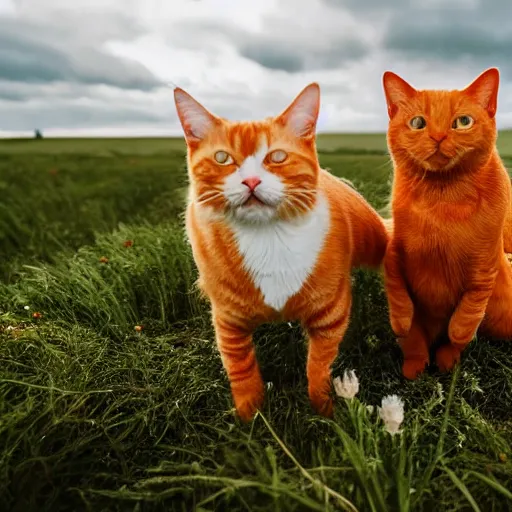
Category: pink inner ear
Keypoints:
(195, 119)
(301, 123)
(301, 116)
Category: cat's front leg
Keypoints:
(507, 231)
(415, 348)
(471, 309)
(239, 359)
(326, 328)
(401, 307)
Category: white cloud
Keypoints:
(102, 66)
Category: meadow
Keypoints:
(112, 393)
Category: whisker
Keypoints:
(302, 194)
(302, 191)
(296, 202)
(209, 193)
(208, 197)
(290, 206)
(305, 198)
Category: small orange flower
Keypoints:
(139, 328)
(103, 259)
(503, 457)
(128, 243)
(36, 315)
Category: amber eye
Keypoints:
(278, 156)
(417, 123)
(223, 158)
(463, 123)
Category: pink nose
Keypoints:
(252, 183)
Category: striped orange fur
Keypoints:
(274, 238)
(445, 267)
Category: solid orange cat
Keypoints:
(445, 267)
(274, 238)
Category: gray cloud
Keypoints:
(56, 70)
(367, 5)
(56, 73)
(278, 47)
(477, 33)
(11, 93)
(32, 52)
(71, 115)
(448, 41)
(265, 54)
(51, 92)
(275, 54)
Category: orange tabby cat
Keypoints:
(274, 237)
(445, 266)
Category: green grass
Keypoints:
(97, 416)
(151, 146)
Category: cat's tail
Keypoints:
(371, 235)
(370, 231)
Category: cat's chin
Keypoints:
(439, 163)
(254, 213)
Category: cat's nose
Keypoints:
(438, 137)
(251, 183)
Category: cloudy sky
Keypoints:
(106, 67)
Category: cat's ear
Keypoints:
(485, 90)
(397, 91)
(302, 114)
(195, 119)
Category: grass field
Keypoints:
(96, 415)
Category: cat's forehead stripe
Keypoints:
(439, 102)
(247, 138)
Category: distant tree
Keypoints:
(38, 134)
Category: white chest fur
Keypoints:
(281, 255)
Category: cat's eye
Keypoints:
(417, 123)
(278, 156)
(463, 123)
(223, 158)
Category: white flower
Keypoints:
(440, 391)
(348, 387)
(26, 308)
(392, 413)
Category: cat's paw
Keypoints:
(414, 367)
(447, 356)
(323, 405)
(320, 397)
(248, 402)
